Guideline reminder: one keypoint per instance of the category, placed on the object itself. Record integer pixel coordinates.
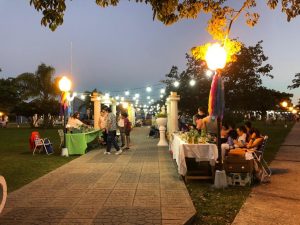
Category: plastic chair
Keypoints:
(40, 144)
(259, 157)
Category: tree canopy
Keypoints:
(242, 79)
(295, 82)
(222, 12)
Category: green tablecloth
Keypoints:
(77, 143)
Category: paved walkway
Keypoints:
(140, 186)
(277, 202)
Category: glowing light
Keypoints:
(117, 97)
(122, 99)
(176, 84)
(137, 95)
(125, 105)
(291, 108)
(64, 84)
(162, 91)
(216, 57)
(209, 73)
(284, 104)
(192, 82)
(161, 96)
(148, 89)
(294, 111)
(106, 96)
(1, 113)
(74, 94)
(82, 97)
(127, 93)
(148, 97)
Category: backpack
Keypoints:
(48, 145)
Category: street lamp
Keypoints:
(65, 86)
(284, 104)
(215, 58)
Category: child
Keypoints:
(127, 128)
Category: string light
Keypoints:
(148, 97)
(82, 97)
(137, 95)
(209, 73)
(117, 97)
(127, 93)
(192, 82)
(176, 84)
(162, 91)
(148, 89)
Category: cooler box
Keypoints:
(237, 164)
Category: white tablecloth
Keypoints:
(201, 152)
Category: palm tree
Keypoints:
(39, 85)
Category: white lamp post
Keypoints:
(65, 86)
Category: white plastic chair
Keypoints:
(40, 144)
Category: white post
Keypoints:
(168, 114)
(114, 107)
(162, 136)
(96, 98)
(173, 98)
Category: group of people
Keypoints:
(240, 139)
(244, 138)
(3, 121)
(108, 124)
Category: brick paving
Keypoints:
(141, 186)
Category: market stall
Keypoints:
(207, 152)
(77, 142)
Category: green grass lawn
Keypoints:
(218, 207)
(18, 165)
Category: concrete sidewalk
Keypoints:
(279, 201)
(141, 186)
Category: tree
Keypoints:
(41, 84)
(223, 12)
(191, 96)
(242, 80)
(296, 82)
(9, 94)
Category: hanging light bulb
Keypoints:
(82, 97)
(162, 91)
(117, 97)
(127, 93)
(148, 97)
(161, 96)
(148, 89)
(122, 99)
(192, 82)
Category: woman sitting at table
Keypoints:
(74, 122)
(254, 144)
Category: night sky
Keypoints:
(120, 48)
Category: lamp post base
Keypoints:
(64, 152)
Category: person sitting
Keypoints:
(74, 122)
(224, 133)
(242, 135)
(248, 126)
(254, 144)
(256, 139)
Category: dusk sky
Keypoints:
(121, 47)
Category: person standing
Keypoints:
(127, 129)
(102, 125)
(122, 129)
(111, 133)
